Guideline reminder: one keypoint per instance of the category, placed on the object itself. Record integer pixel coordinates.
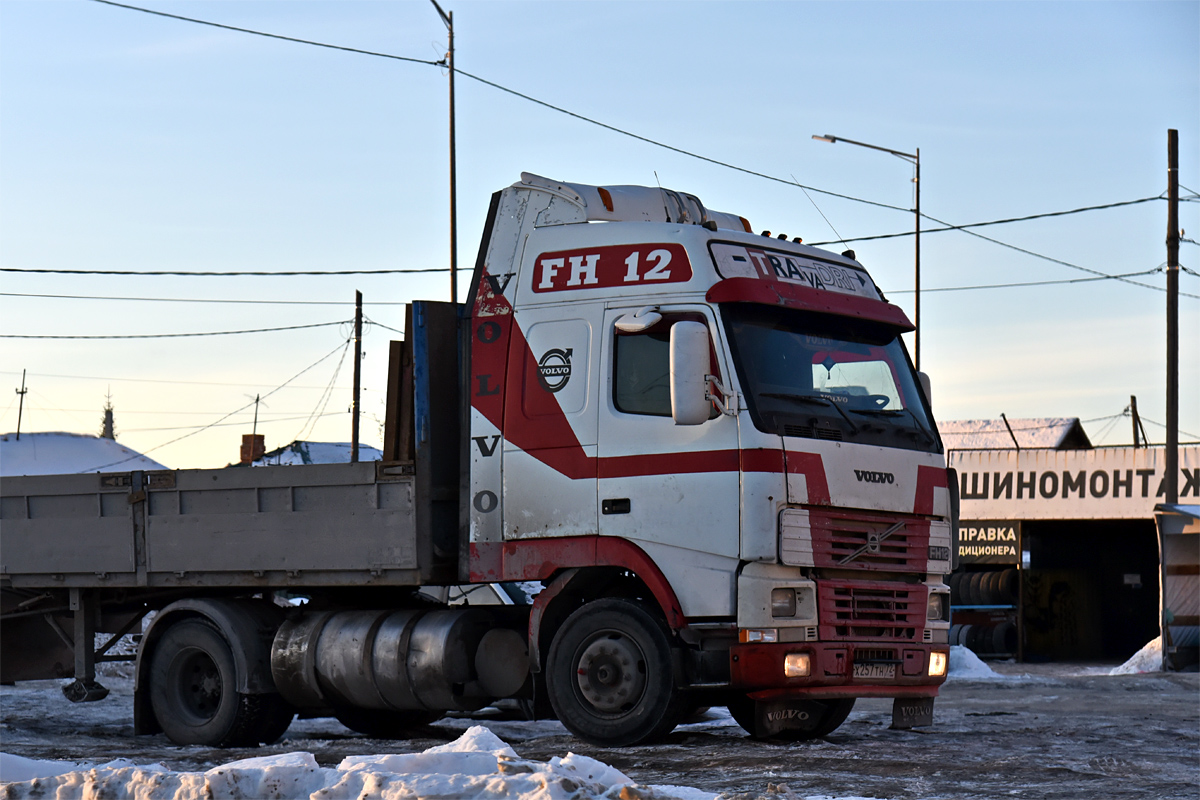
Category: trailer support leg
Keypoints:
(84, 688)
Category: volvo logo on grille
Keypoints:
(865, 476)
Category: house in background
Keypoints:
(253, 453)
(59, 453)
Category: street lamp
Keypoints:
(915, 158)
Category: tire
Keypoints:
(955, 630)
(193, 690)
(1004, 638)
(383, 724)
(995, 583)
(1010, 584)
(274, 717)
(955, 591)
(610, 676)
(830, 714)
(964, 589)
(964, 635)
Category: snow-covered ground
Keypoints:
(1000, 729)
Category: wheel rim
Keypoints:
(199, 684)
(611, 672)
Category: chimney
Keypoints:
(253, 447)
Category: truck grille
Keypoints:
(871, 611)
(852, 541)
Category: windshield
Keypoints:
(821, 376)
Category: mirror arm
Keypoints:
(725, 400)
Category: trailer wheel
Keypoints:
(381, 724)
(193, 690)
(828, 715)
(610, 676)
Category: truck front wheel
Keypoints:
(812, 718)
(193, 692)
(610, 676)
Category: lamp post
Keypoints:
(915, 159)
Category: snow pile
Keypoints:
(1148, 659)
(477, 765)
(965, 665)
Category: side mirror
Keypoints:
(689, 365)
(924, 379)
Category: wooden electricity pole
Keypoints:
(1172, 455)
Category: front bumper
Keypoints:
(841, 669)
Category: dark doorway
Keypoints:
(1091, 588)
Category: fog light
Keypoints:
(783, 602)
(937, 664)
(935, 608)
(796, 665)
(759, 635)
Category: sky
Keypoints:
(136, 142)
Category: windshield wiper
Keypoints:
(896, 412)
(813, 399)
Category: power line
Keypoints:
(1027, 283)
(608, 127)
(147, 380)
(227, 416)
(1028, 217)
(270, 35)
(513, 92)
(261, 421)
(228, 273)
(201, 300)
(1060, 261)
(167, 335)
(381, 325)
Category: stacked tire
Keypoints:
(991, 588)
(994, 638)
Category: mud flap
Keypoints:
(771, 718)
(912, 712)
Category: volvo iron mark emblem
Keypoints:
(554, 369)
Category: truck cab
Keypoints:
(727, 423)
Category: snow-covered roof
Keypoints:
(58, 453)
(1055, 433)
(300, 452)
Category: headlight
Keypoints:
(937, 664)
(936, 606)
(783, 602)
(797, 665)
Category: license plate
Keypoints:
(878, 672)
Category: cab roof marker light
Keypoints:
(605, 197)
(746, 225)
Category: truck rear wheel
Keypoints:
(823, 717)
(193, 692)
(610, 676)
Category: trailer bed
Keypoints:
(287, 526)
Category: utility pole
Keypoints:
(21, 407)
(448, 19)
(1138, 428)
(356, 406)
(1172, 467)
